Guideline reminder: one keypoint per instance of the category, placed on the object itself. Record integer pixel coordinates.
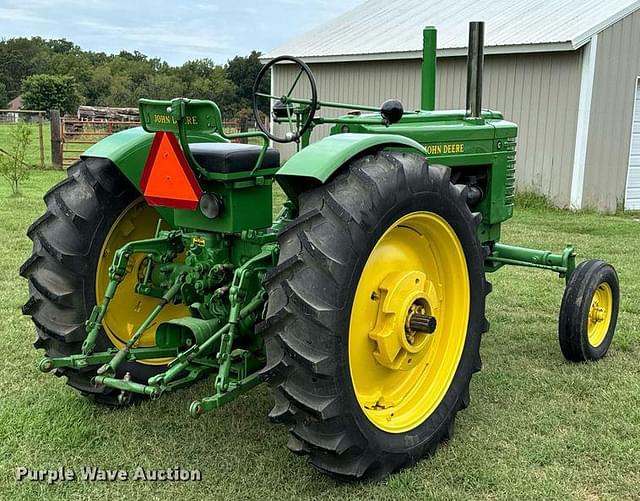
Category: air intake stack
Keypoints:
(428, 93)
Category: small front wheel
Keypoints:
(589, 311)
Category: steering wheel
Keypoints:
(284, 106)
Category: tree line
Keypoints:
(57, 74)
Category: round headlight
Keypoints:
(211, 205)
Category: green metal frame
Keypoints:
(564, 264)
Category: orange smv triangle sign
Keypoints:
(167, 179)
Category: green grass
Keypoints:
(538, 427)
(33, 152)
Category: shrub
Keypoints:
(12, 165)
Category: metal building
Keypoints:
(567, 71)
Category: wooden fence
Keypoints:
(76, 136)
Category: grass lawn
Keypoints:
(537, 428)
(33, 152)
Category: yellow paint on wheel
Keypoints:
(128, 309)
(600, 313)
(400, 376)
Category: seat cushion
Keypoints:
(228, 158)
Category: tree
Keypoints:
(203, 79)
(4, 97)
(74, 62)
(163, 86)
(61, 46)
(12, 165)
(57, 73)
(98, 86)
(243, 71)
(120, 92)
(19, 58)
(50, 92)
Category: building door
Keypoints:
(632, 192)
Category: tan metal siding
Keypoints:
(538, 91)
(616, 71)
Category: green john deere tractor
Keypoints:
(158, 263)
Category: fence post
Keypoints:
(41, 138)
(56, 139)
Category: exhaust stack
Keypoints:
(475, 66)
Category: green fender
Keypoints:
(316, 163)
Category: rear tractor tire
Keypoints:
(374, 316)
(589, 311)
(89, 215)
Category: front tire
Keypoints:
(319, 359)
(589, 311)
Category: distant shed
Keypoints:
(567, 71)
(15, 103)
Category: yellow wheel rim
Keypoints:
(400, 376)
(128, 309)
(600, 314)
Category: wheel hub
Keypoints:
(600, 314)
(407, 308)
(409, 321)
(597, 313)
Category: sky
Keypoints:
(170, 30)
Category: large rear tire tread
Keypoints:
(310, 294)
(61, 270)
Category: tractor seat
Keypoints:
(229, 158)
